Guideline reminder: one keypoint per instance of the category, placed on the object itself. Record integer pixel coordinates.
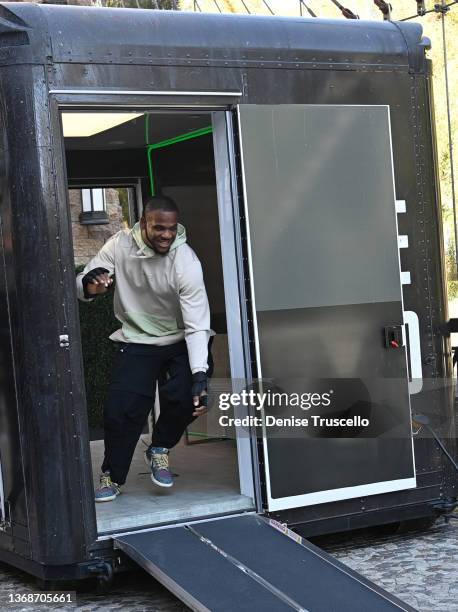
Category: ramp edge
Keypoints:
(338, 565)
(162, 577)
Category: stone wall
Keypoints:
(88, 239)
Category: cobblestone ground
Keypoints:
(420, 568)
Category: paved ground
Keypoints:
(420, 568)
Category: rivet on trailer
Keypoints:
(301, 153)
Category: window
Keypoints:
(94, 209)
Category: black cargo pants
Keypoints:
(130, 398)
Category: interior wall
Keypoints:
(100, 164)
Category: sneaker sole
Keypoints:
(153, 480)
(106, 499)
(160, 484)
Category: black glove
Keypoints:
(89, 277)
(199, 384)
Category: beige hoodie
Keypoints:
(159, 299)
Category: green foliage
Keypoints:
(124, 202)
(452, 289)
(97, 322)
(450, 260)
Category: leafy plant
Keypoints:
(97, 322)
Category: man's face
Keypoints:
(159, 229)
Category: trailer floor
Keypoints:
(206, 484)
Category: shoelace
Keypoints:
(161, 461)
(105, 481)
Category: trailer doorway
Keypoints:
(113, 160)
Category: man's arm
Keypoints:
(196, 314)
(196, 318)
(104, 259)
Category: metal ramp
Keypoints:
(245, 563)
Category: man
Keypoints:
(161, 302)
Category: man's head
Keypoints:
(159, 223)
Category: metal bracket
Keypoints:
(441, 8)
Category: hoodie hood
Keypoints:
(145, 251)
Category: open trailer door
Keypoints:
(327, 301)
(245, 563)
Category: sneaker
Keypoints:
(157, 459)
(108, 490)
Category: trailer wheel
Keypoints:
(105, 579)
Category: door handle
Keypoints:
(414, 352)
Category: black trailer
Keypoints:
(301, 152)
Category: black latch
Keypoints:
(393, 336)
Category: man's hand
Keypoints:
(199, 393)
(96, 282)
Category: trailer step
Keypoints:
(245, 563)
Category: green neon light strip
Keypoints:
(167, 143)
(150, 170)
(182, 137)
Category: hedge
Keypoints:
(97, 322)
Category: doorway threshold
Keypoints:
(111, 535)
(206, 484)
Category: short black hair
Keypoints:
(159, 202)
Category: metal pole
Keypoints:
(309, 10)
(347, 13)
(265, 4)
